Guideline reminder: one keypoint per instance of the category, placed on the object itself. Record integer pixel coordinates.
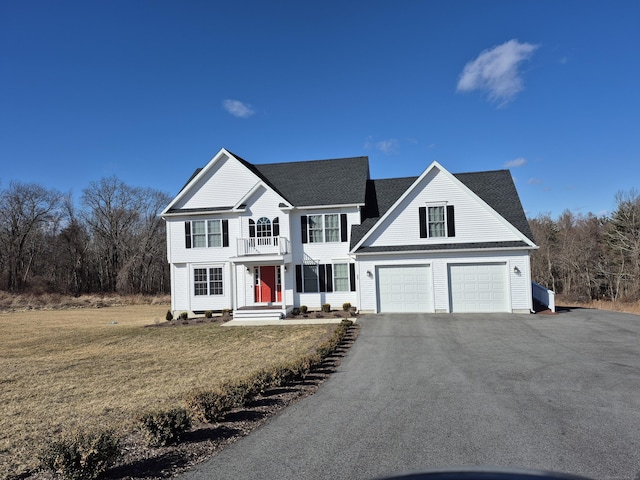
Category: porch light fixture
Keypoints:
(369, 274)
(516, 270)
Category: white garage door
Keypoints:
(478, 287)
(405, 288)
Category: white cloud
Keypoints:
(388, 146)
(518, 162)
(237, 108)
(385, 146)
(534, 181)
(496, 71)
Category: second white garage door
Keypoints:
(405, 288)
(478, 287)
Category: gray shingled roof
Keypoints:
(495, 187)
(340, 181)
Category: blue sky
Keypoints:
(150, 90)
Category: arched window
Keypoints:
(263, 227)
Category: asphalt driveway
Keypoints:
(419, 392)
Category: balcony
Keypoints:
(263, 246)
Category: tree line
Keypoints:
(113, 241)
(590, 257)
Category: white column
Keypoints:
(283, 290)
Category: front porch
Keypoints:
(262, 312)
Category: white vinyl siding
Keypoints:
(213, 188)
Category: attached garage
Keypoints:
(478, 287)
(404, 288)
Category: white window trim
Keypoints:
(323, 228)
(428, 223)
(348, 279)
(209, 280)
(206, 233)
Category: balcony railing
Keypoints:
(263, 246)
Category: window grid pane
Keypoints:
(315, 228)
(341, 277)
(436, 222)
(263, 227)
(200, 281)
(215, 233)
(310, 275)
(198, 234)
(215, 281)
(332, 228)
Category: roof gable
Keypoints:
(208, 189)
(493, 192)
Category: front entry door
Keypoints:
(267, 284)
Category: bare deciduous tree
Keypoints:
(28, 212)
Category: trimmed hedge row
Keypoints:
(88, 455)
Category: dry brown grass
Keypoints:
(65, 369)
(626, 307)
(12, 302)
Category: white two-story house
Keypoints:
(261, 239)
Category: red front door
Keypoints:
(267, 286)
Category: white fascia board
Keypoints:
(216, 158)
(455, 250)
(205, 212)
(324, 207)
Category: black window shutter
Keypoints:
(329, 278)
(322, 277)
(252, 228)
(225, 233)
(352, 276)
(276, 227)
(298, 278)
(451, 223)
(343, 227)
(422, 213)
(187, 234)
(303, 226)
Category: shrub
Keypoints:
(326, 307)
(169, 316)
(211, 405)
(303, 309)
(184, 315)
(165, 427)
(226, 313)
(208, 314)
(81, 456)
(346, 306)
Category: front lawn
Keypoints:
(102, 367)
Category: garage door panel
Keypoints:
(405, 288)
(480, 287)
